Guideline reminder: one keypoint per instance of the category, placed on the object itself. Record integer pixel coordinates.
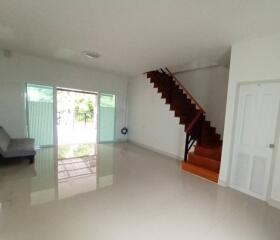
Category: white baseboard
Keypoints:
(156, 150)
(121, 140)
(116, 141)
(222, 183)
(274, 203)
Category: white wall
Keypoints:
(256, 60)
(20, 69)
(150, 121)
(209, 87)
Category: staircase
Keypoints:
(201, 137)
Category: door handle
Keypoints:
(271, 145)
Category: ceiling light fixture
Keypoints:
(91, 54)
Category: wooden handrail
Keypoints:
(185, 90)
(194, 132)
(201, 110)
(200, 113)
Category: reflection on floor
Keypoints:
(76, 169)
(146, 197)
(77, 150)
(58, 173)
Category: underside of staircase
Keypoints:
(203, 144)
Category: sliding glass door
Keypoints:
(107, 115)
(40, 114)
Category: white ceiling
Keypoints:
(134, 36)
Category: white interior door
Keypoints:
(256, 124)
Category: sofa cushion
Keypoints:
(20, 148)
(4, 140)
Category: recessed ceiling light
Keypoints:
(91, 54)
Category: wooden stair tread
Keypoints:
(202, 172)
(209, 152)
(204, 162)
(211, 144)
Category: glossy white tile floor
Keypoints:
(123, 192)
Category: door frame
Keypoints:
(232, 141)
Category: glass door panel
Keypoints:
(40, 110)
(107, 115)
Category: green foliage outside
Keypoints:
(84, 110)
(79, 104)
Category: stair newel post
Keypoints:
(186, 147)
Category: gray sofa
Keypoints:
(16, 148)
